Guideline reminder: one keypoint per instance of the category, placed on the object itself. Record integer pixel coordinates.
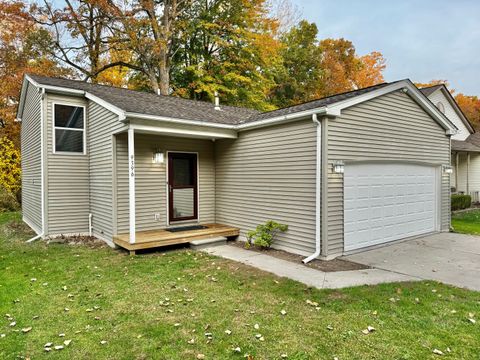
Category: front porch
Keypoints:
(166, 180)
(159, 238)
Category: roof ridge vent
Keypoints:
(217, 101)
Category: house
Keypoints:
(465, 143)
(138, 170)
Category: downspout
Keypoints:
(90, 225)
(42, 162)
(318, 174)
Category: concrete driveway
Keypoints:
(450, 258)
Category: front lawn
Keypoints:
(467, 222)
(183, 304)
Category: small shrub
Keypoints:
(264, 235)
(460, 202)
(10, 168)
(8, 201)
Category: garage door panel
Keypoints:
(387, 202)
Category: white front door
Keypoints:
(388, 201)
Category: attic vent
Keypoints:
(441, 107)
(217, 101)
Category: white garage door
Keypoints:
(386, 202)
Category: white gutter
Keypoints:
(42, 165)
(318, 174)
(278, 119)
(178, 121)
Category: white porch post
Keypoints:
(457, 162)
(468, 173)
(131, 183)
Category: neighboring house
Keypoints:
(345, 172)
(465, 144)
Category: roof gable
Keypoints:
(440, 92)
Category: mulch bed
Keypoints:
(90, 241)
(322, 265)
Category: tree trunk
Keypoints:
(164, 73)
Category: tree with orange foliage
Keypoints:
(371, 70)
(19, 54)
(470, 106)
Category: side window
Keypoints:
(69, 128)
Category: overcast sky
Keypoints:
(421, 39)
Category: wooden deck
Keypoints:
(158, 238)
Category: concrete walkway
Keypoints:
(306, 275)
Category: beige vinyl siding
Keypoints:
(31, 159)
(473, 173)
(101, 125)
(151, 180)
(389, 128)
(67, 180)
(269, 174)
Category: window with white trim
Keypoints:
(69, 128)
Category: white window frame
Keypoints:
(84, 130)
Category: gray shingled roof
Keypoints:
(152, 104)
(427, 91)
(314, 103)
(175, 107)
(466, 145)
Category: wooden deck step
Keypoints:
(158, 238)
(208, 242)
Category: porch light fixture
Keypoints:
(447, 169)
(338, 167)
(158, 157)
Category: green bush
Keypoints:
(8, 201)
(264, 235)
(460, 202)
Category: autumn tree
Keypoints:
(370, 70)
(20, 54)
(470, 106)
(229, 47)
(298, 77)
(83, 36)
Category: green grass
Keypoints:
(467, 222)
(131, 312)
